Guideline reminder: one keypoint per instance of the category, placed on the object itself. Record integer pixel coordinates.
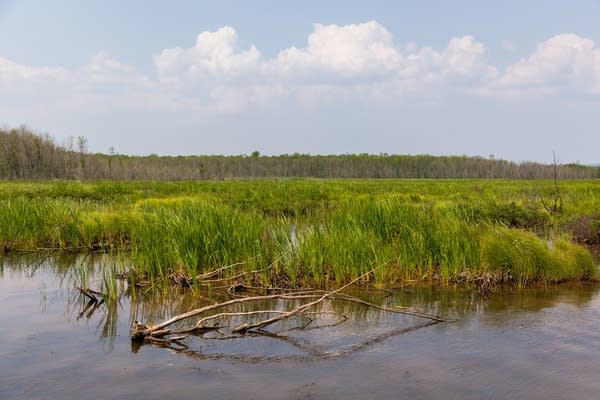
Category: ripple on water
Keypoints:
(537, 343)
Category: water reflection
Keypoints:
(338, 329)
(535, 343)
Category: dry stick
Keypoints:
(232, 290)
(139, 334)
(236, 276)
(58, 248)
(216, 271)
(234, 314)
(202, 277)
(400, 310)
(343, 318)
(159, 329)
(245, 327)
(199, 324)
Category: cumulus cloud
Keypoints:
(348, 50)
(465, 57)
(214, 56)
(565, 60)
(333, 54)
(338, 62)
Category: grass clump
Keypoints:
(314, 232)
(34, 223)
(522, 257)
(194, 236)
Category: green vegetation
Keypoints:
(27, 155)
(315, 232)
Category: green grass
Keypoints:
(194, 236)
(313, 232)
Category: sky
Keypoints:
(516, 80)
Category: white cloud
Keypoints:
(103, 68)
(367, 52)
(466, 57)
(214, 56)
(229, 99)
(334, 55)
(349, 63)
(565, 60)
(16, 77)
(348, 50)
(464, 60)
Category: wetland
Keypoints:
(534, 342)
(509, 267)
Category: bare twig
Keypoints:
(302, 308)
(141, 332)
(398, 310)
(217, 271)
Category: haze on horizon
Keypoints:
(517, 81)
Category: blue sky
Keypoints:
(514, 79)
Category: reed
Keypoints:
(311, 232)
(33, 223)
(522, 257)
(192, 236)
(415, 240)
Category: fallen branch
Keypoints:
(240, 287)
(141, 332)
(399, 310)
(218, 270)
(261, 324)
(203, 328)
(312, 351)
(238, 276)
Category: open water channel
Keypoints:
(539, 343)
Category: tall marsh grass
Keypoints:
(310, 232)
(32, 223)
(196, 236)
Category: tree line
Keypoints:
(25, 154)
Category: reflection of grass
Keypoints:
(159, 304)
(109, 282)
(312, 232)
(81, 275)
(43, 296)
(108, 325)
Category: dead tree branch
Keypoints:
(141, 332)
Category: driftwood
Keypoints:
(162, 334)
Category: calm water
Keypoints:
(535, 344)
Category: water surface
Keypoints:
(536, 343)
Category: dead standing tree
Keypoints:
(554, 206)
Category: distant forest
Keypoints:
(25, 154)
